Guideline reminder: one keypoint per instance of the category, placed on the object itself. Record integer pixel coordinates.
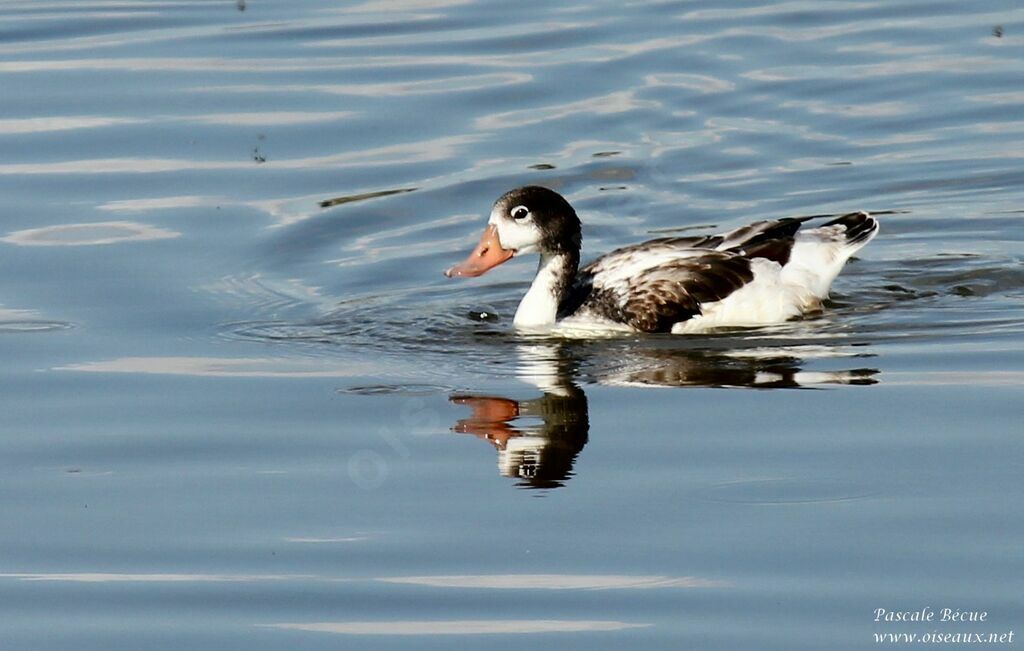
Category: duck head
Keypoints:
(525, 220)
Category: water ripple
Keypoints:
(88, 234)
(33, 325)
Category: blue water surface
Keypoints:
(243, 409)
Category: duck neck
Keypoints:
(539, 308)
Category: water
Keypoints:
(242, 408)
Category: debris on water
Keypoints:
(240, 4)
(489, 317)
(962, 290)
(337, 201)
(542, 166)
(257, 156)
(997, 31)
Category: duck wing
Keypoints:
(662, 289)
(656, 284)
(770, 239)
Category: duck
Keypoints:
(764, 273)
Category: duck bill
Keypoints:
(487, 255)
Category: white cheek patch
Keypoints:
(514, 235)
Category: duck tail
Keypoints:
(819, 254)
(859, 228)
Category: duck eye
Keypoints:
(520, 212)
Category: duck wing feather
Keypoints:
(655, 298)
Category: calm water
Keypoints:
(242, 408)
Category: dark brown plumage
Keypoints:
(662, 296)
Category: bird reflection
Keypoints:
(538, 439)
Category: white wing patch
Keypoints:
(616, 269)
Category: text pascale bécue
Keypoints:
(927, 614)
